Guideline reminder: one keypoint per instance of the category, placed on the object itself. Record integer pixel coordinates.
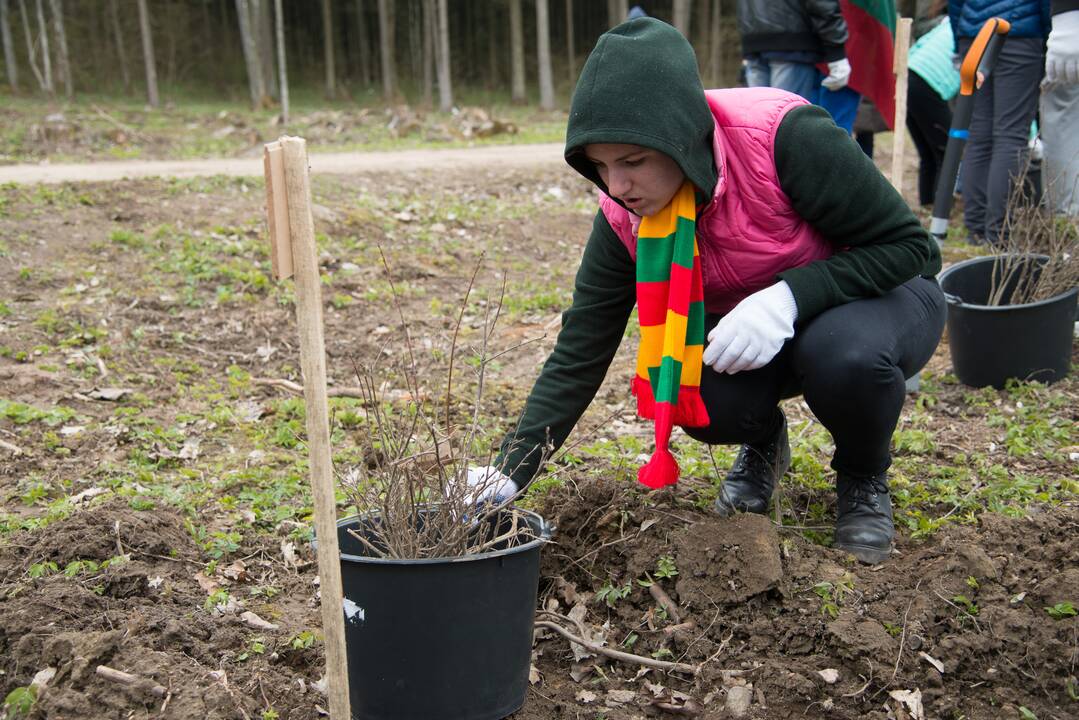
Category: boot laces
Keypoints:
(865, 492)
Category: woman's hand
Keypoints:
(751, 334)
(489, 484)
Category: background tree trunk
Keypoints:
(680, 16)
(517, 53)
(9, 47)
(264, 13)
(63, 65)
(364, 44)
(429, 24)
(282, 73)
(445, 89)
(617, 11)
(250, 50)
(46, 54)
(121, 50)
(327, 48)
(716, 44)
(571, 55)
(148, 55)
(543, 54)
(386, 50)
(30, 48)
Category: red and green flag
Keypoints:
(870, 45)
(670, 308)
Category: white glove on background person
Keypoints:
(838, 75)
(488, 483)
(1062, 49)
(751, 334)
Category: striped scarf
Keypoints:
(670, 308)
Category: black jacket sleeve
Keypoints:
(604, 294)
(827, 21)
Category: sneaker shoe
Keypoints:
(752, 479)
(864, 525)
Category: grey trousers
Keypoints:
(999, 132)
(1060, 136)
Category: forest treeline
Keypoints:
(413, 51)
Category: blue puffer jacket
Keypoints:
(1029, 18)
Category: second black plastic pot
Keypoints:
(447, 638)
(990, 344)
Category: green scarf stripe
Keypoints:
(654, 259)
(695, 324)
(666, 391)
(683, 243)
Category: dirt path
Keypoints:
(504, 156)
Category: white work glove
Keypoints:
(838, 75)
(751, 334)
(489, 484)
(1062, 49)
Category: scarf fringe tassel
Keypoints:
(662, 469)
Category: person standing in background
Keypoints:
(932, 82)
(1060, 109)
(1003, 107)
(782, 42)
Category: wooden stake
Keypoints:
(899, 67)
(304, 257)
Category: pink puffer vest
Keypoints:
(748, 232)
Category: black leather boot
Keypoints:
(749, 485)
(863, 525)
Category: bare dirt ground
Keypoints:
(153, 489)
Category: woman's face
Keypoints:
(644, 179)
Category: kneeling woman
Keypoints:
(768, 258)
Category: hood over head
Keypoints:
(640, 86)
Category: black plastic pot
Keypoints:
(990, 344)
(443, 638)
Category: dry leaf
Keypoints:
(42, 678)
(207, 584)
(567, 590)
(585, 696)
(534, 676)
(288, 553)
(190, 450)
(620, 697)
(579, 672)
(237, 571)
(648, 523)
(911, 700)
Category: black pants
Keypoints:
(928, 119)
(850, 363)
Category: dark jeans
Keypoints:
(928, 119)
(850, 363)
(999, 131)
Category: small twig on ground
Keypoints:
(13, 449)
(119, 125)
(116, 532)
(665, 602)
(349, 392)
(118, 676)
(617, 654)
(903, 634)
(862, 689)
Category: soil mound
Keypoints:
(958, 625)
